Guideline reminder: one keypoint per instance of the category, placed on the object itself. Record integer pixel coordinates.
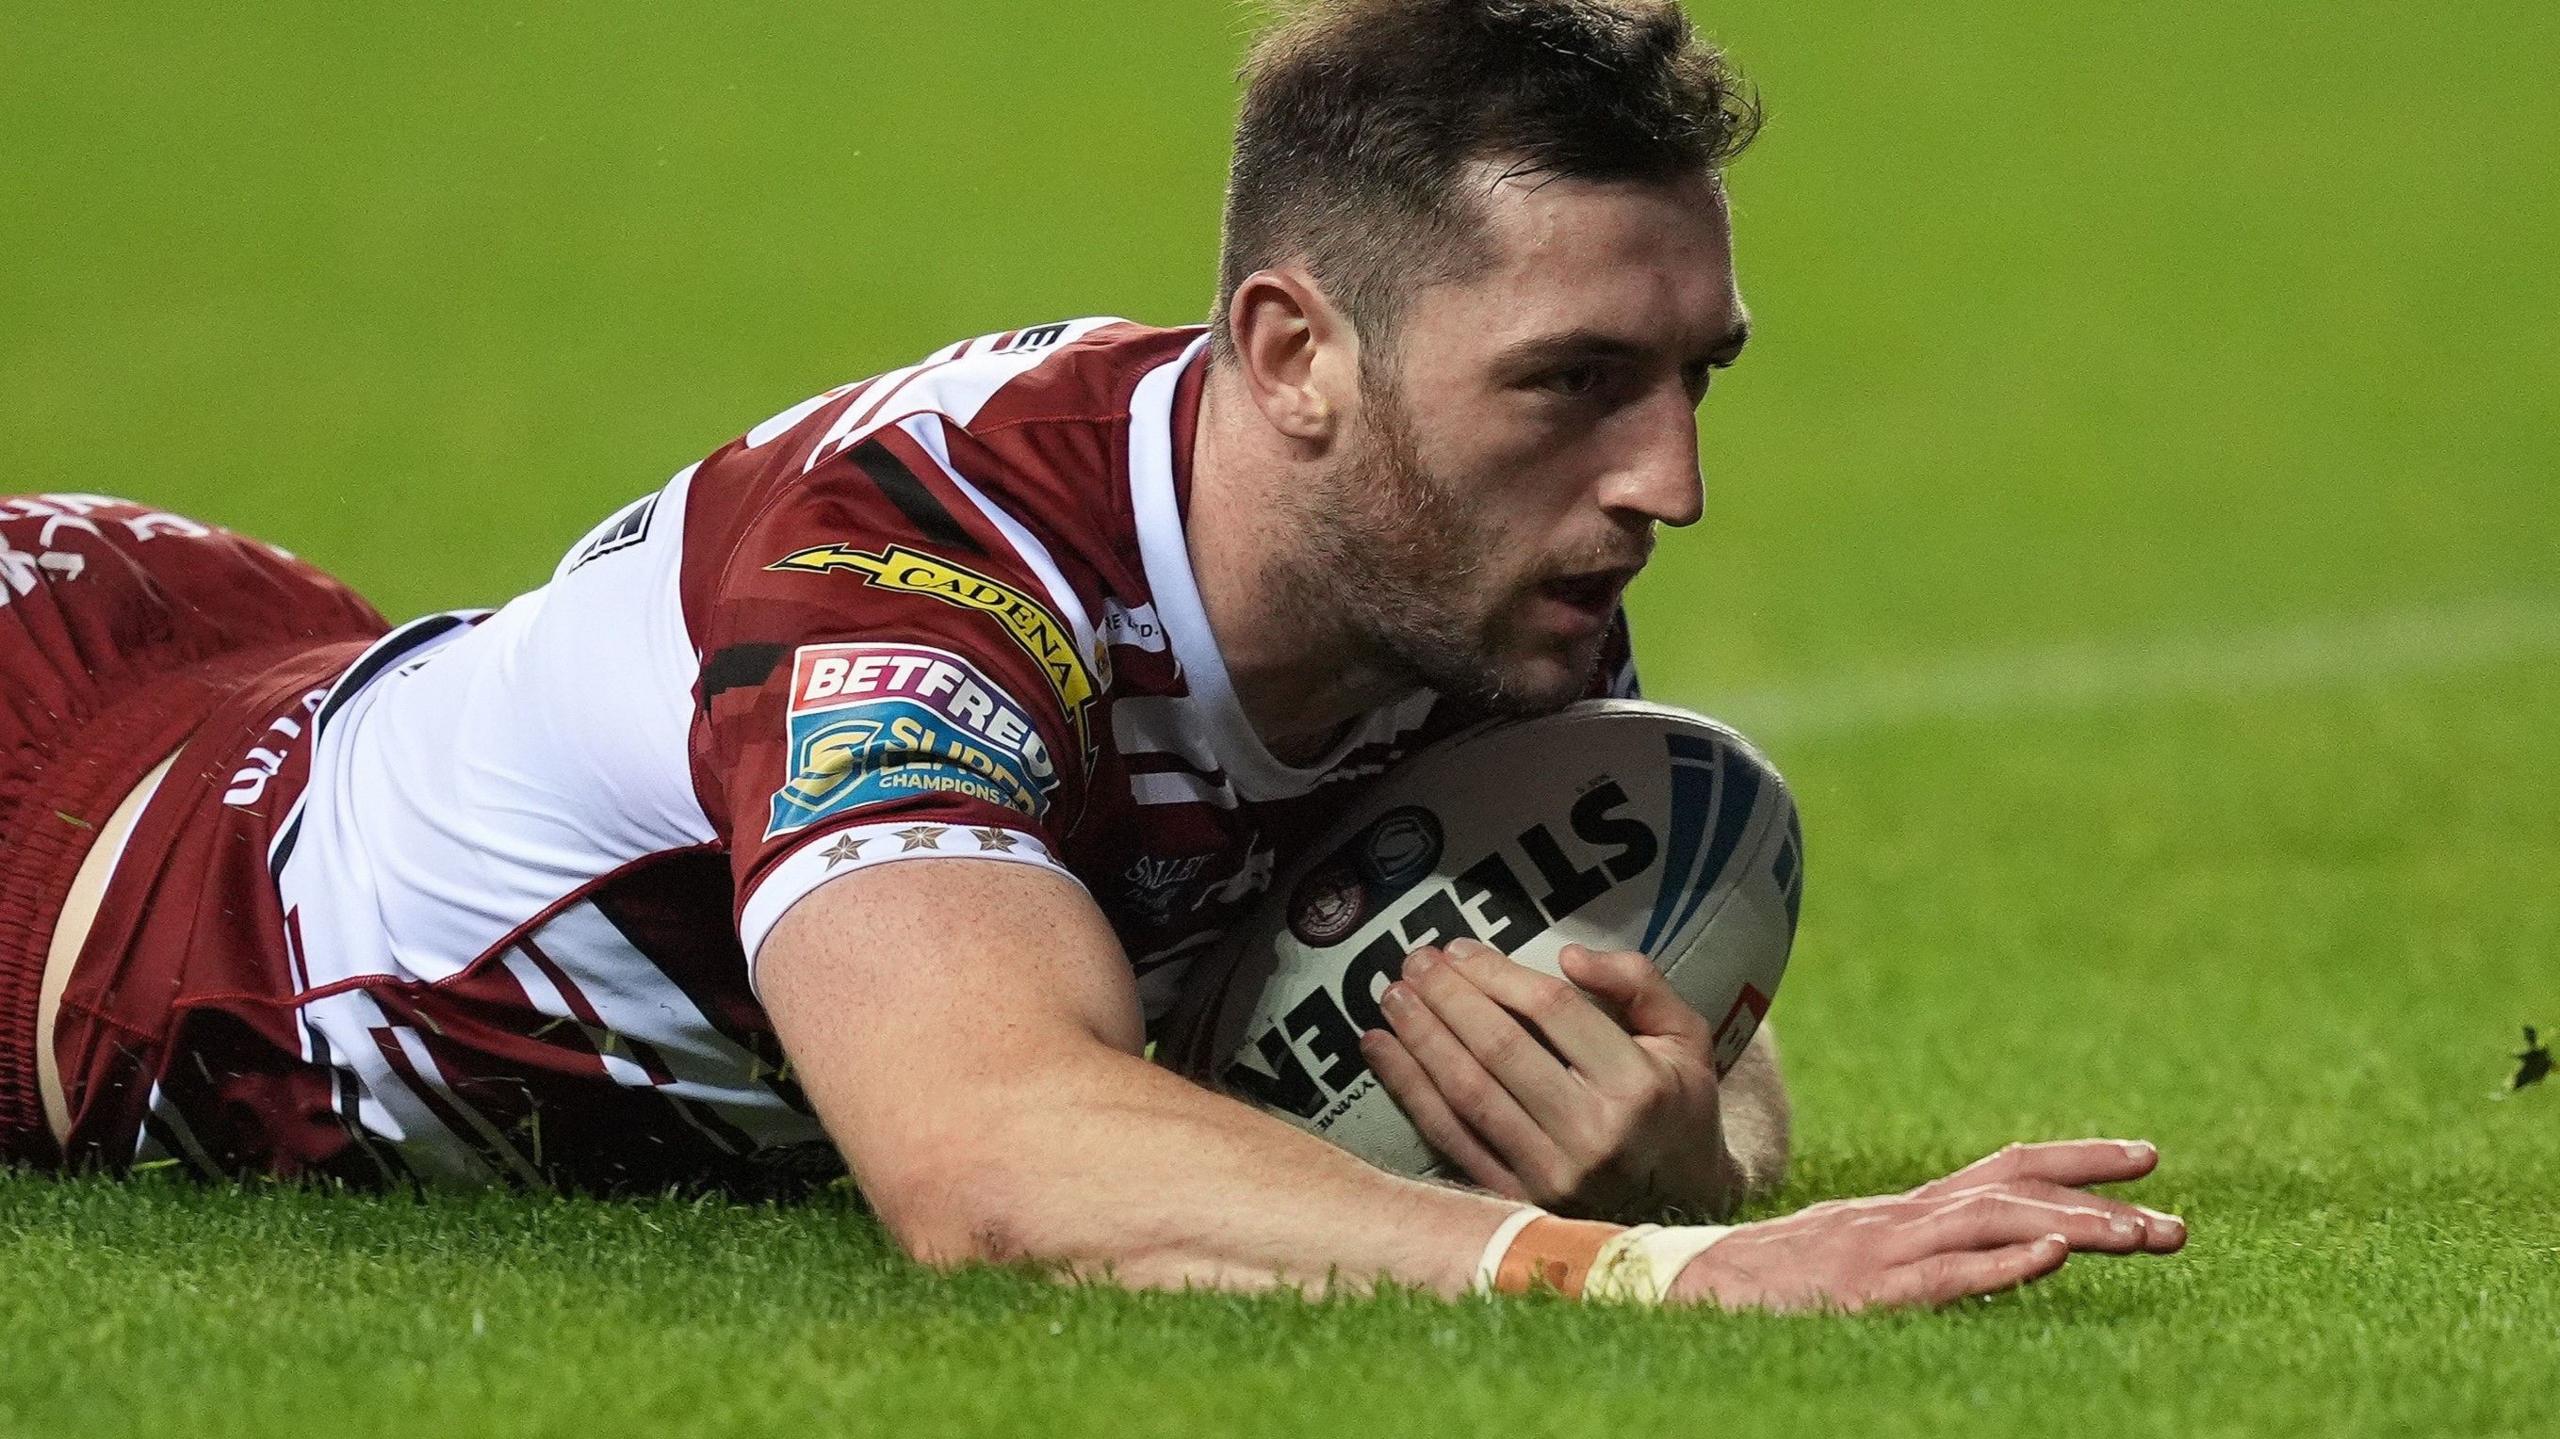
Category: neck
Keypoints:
(1297, 670)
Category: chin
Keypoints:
(1513, 675)
(1542, 684)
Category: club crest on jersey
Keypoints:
(872, 723)
(1039, 634)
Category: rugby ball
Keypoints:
(1613, 824)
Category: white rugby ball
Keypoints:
(1613, 824)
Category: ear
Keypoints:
(1297, 353)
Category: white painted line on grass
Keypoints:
(2111, 675)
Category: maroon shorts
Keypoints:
(126, 634)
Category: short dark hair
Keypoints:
(1359, 114)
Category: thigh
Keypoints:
(122, 628)
(98, 594)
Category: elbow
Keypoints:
(954, 1211)
(983, 1207)
(1759, 1120)
(1764, 1170)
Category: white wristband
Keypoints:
(1500, 1245)
(1637, 1267)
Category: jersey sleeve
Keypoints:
(891, 670)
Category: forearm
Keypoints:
(970, 1036)
(1106, 1166)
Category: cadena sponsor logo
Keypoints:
(1050, 643)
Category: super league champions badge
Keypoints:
(874, 723)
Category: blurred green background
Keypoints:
(2134, 530)
(2246, 307)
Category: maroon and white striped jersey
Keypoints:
(946, 612)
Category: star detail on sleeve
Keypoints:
(922, 836)
(999, 840)
(845, 848)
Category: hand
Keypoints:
(1993, 1225)
(1609, 1116)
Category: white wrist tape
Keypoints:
(1637, 1267)
(1500, 1245)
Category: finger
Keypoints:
(1947, 1278)
(1411, 1086)
(1644, 1000)
(2045, 1192)
(2167, 1232)
(1535, 1076)
(1990, 1219)
(1473, 1093)
(1591, 1042)
(2075, 1162)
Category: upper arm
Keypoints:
(887, 674)
(919, 1003)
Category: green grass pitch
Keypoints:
(2133, 531)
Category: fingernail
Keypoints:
(2165, 1226)
(1398, 997)
(1466, 946)
(2138, 1150)
(1420, 962)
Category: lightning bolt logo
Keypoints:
(1038, 633)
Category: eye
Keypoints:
(1573, 381)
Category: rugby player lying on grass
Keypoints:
(857, 797)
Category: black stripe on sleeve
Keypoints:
(932, 520)
(739, 667)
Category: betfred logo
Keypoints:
(872, 723)
(823, 676)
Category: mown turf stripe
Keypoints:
(2125, 673)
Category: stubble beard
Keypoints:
(1392, 559)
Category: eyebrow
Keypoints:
(1590, 344)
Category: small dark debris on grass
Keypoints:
(2534, 1065)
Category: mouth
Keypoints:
(1587, 602)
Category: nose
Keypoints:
(1661, 479)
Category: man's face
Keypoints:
(1503, 471)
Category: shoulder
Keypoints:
(1023, 433)
(1068, 375)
